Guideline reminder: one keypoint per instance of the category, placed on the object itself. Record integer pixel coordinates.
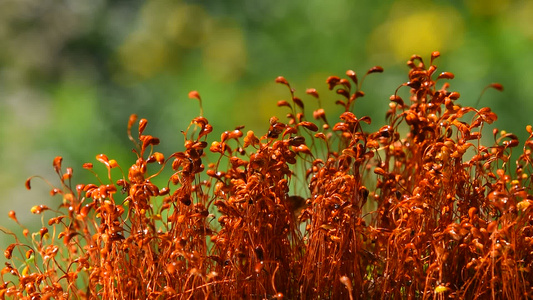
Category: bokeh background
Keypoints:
(71, 72)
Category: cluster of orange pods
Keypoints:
(418, 209)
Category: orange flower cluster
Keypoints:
(310, 210)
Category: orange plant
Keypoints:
(418, 209)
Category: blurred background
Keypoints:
(71, 72)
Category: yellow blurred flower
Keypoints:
(164, 28)
(224, 56)
(416, 29)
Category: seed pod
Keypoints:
(9, 251)
(12, 215)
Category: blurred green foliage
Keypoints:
(71, 72)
